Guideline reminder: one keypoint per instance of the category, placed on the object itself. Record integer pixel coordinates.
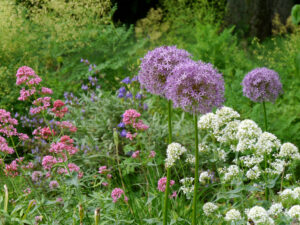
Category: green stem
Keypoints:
(194, 221)
(265, 116)
(166, 199)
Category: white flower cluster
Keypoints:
(228, 134)
(250, 161)
(277, 167)
(233, 215)
(187, 186)
(275, 209)
(202, 148)
(247, 135)
(190, 159)
(294, 212)
(221, 154)
(208, 121)
(289, 194)
(253, 173)
(174, 151)
(204, 176)
(231, 172)
(266, 143)
(225, 115)
(288, 150)
(209, 208)
(259, 216)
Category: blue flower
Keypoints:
(121, 125)
(145, 106)
(126, 80)
(128, 94)
(123, 133)
(136, 78)
(138, 96)
(84, 87)
(122, 92)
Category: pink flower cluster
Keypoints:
(103, 170)
(53, 184)
(130, 117)
(4, 146)
(67, 125)
(46, 91)
(65, 145)
(25, 94)
(162, 183)
(7, 125)
(117, 193)
(152, 154)
(36, 176)
(12, 169)
(27, 75)
(42, 104)
(136, 154)
(43, 133)
(58, 108)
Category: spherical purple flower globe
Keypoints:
(262, 85)
(196, 87)
(157, 66)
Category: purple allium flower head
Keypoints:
(157, 66)
(262, 85)
(196, 87)
(126, 80)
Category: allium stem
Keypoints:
(196, 172)
(166, 199)
(265, 116)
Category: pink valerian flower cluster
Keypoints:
(152, 154)
(49, 161)
(25, 94)
(136, 154)
(162, 183)
(36, 176)
(7, 124)
(103, 170)
(130, 117)
(42, 103)
(58, 109)
(67, 125)
(46, 91)
(4, 146)
(43, 133)
(12, 169)
(53, 184)
(65, 145)
(117, 193)
(27, 191)
(27, 75)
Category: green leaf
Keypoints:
(296, 14)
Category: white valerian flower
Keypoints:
(232, 171)
(288, 150)
(266, 143)
(288, 176)
(248, 133)
(209, 208)
(204, 176)
(208, 121)
(226, 114)
(259, 216)
(288, 194)
(190, 159)
(233, 215)
(277, 167)
(174, 151)
(294, 212)
(253, 173)
(187, 186)
(250, 161)
(228, 134)
(221, 154)
(202, 148)
(275, 209)
(297, 191)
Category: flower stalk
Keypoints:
(166, 199)
(196, 172)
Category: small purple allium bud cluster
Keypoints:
(262, 85)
